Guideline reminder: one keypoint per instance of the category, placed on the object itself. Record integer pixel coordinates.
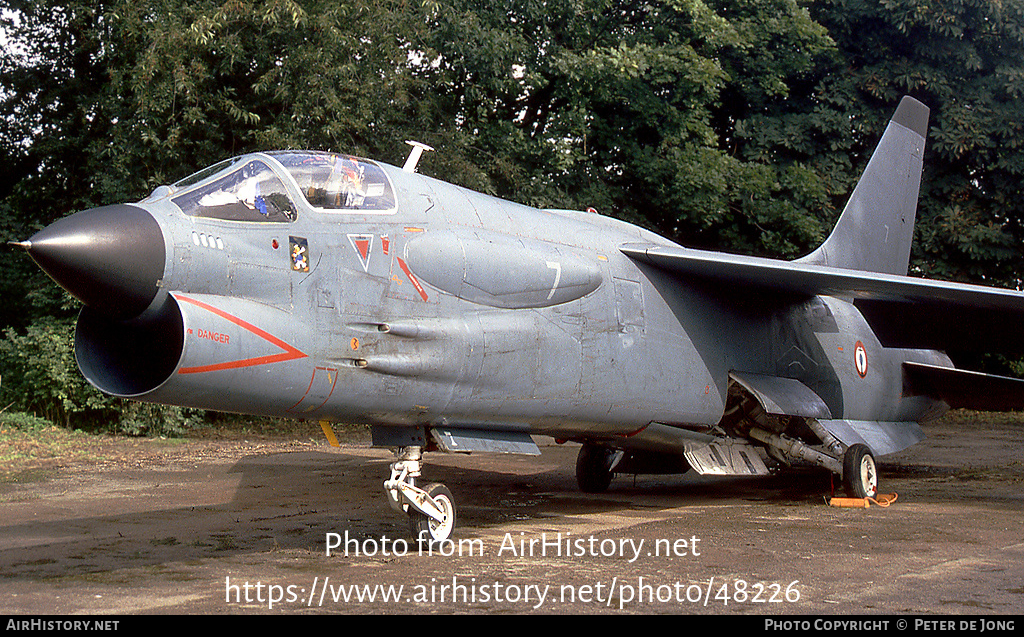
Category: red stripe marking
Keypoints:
(415, 282)
(289, 353)
(334, 383)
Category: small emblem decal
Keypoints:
(362, 244)
(299, 254)
(860, 359)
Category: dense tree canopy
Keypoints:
(739, 125)
(965, 59)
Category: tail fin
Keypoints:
(876, 228)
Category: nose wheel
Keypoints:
(431, 509)
(425, 527)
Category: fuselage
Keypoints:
(326, 287)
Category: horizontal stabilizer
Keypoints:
(963, 389)
(887, 300)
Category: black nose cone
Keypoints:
(110, 258)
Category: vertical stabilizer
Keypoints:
(876, 228)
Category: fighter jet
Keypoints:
(316, 285)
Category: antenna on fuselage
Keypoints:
(414, 155)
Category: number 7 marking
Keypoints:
(557, 267)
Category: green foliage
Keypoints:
(631, 107)
(738, 124)
(964, 59)
(145, 419)
(42, 382)
(208, 80)
(23, 421)
(40, 375)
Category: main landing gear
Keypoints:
(431, 509)
(860, 478)
(854, 463)
(594, 467)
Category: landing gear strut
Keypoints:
(855, 463)
(431, 509)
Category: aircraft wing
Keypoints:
(903, 311)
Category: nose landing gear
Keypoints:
(431, 509)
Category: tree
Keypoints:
(965, 59)
(631, 107)
(52, 123)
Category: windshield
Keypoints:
(209, 171)
(339, 182)
(252, 193)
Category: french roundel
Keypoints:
(860, 359)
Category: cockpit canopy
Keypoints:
(339, 182)
(252, 191)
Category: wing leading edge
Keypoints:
(903, 311)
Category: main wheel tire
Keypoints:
(860, 476)
(426, 528)
(593, 468)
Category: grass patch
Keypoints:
(32, 454)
